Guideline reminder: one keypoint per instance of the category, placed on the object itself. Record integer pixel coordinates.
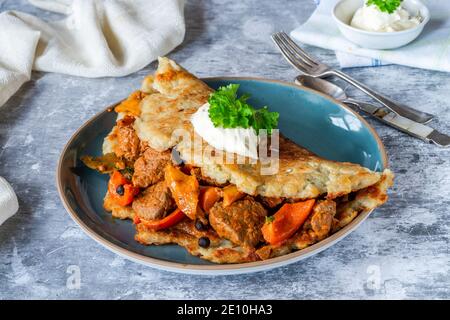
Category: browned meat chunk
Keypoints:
(204, 180)
(240, 222)
(271, 202)
(149, 168)
(128, 143)
(154, 202)
(322, 218)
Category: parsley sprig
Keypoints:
(228, 111)
(388, 6)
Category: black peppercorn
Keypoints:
(204, 242)
(120, 190)
(200, 226)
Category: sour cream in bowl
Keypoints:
(370, 27)
(371, 18)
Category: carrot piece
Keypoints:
(231, 194)
(184, 188)
(132, 103)
(208, 197)
(164, 223)
(286, 221)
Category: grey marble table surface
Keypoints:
(401, 251)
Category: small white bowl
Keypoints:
(345, 9)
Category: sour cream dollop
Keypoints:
(242, 141)
(371, 18)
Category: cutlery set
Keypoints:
(399, 116)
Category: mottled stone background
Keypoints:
(406, 242)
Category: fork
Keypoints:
(311, 66)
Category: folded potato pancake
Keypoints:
(184, 234)
(164, 108)
(175, 94)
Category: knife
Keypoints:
(403, 124)
(383, 114)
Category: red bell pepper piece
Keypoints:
(128, 192)
(164, 223)
(286, 221)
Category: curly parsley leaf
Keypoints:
(228, 111)
(388, 6)
(264, 119)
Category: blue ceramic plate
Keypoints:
(319, 123)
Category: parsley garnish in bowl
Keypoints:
(388, 6)
(226, 110)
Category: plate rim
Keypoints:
(220, 269)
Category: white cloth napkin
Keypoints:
(348, 60)
(8, 201)
(431, 50)
(97, 38)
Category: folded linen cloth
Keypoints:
(8, 201)
(348, 60)
(431, 50)
(97, 38)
